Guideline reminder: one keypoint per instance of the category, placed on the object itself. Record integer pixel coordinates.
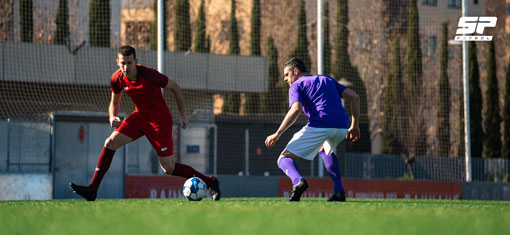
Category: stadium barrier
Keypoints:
(159, 186)
(26, 186)
(486, 191)
(357, 188)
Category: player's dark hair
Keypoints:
(295, 63)
(126, 51)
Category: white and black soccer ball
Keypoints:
(194, 189)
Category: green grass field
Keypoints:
(254, 216)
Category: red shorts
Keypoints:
(158, 134)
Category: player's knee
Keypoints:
(110, 143)
(278, 160)
(167, 169)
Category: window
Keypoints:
(475, 2)
(429, 2)
(454, 3)
(431, 41)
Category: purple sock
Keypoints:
(333, 167)
(290, 168)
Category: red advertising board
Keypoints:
(153, 186)
(357, 188)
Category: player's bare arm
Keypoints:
(353, 98)
(290, 118)
(180, 103)
(114, 110)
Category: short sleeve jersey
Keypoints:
(145, 92)
(321, 100)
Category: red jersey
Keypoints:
(145, 92)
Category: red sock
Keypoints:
(188, 172)
(103, 164)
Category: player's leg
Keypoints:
(161, 140)
(170, 166)
(304, 144)
(332, 164)
(287, 163)
(128, 131)
(112, 143)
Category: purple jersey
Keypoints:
(320, 96)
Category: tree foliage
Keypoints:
(233, 32)
(232, 100)
(343, 69)
(392, 108)
(99, 23)
(26, 21)
(276, 99)
(443, 131)
(492, 119)
(200, 41)
(182, 31)
(326, 55)
(62, 21)
(254, 102)
(153, 44)
(301, 49)
(506, 116)
(475, 103)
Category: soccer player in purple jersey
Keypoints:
(319, 97)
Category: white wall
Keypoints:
(26, 186)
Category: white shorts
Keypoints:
(307, 142)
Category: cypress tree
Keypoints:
(275, 101)
(492, 120)
(153, 44)
(414, 56)
(344, 69)
(443, 129)
(99, 25)
(208, 44)
(255, 29)
(182, 32)
(327, 46)
(462, 143)
(232, 101)
(233, 34)
(253, 103)
(200, 31)
(506, 116)
(392, 109)
(62, 21)
(475, 103)
(26, 21)
(301, 49)
(417, 139)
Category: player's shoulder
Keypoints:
(142, 69)
(117, 75)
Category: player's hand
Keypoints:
(184, 121)
(353, 134)
(115, 122)
(270, 140)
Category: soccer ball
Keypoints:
(194, 189)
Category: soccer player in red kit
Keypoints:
(151, 118)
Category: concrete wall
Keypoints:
(94, 66)
(486, 191)
(26, 186)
